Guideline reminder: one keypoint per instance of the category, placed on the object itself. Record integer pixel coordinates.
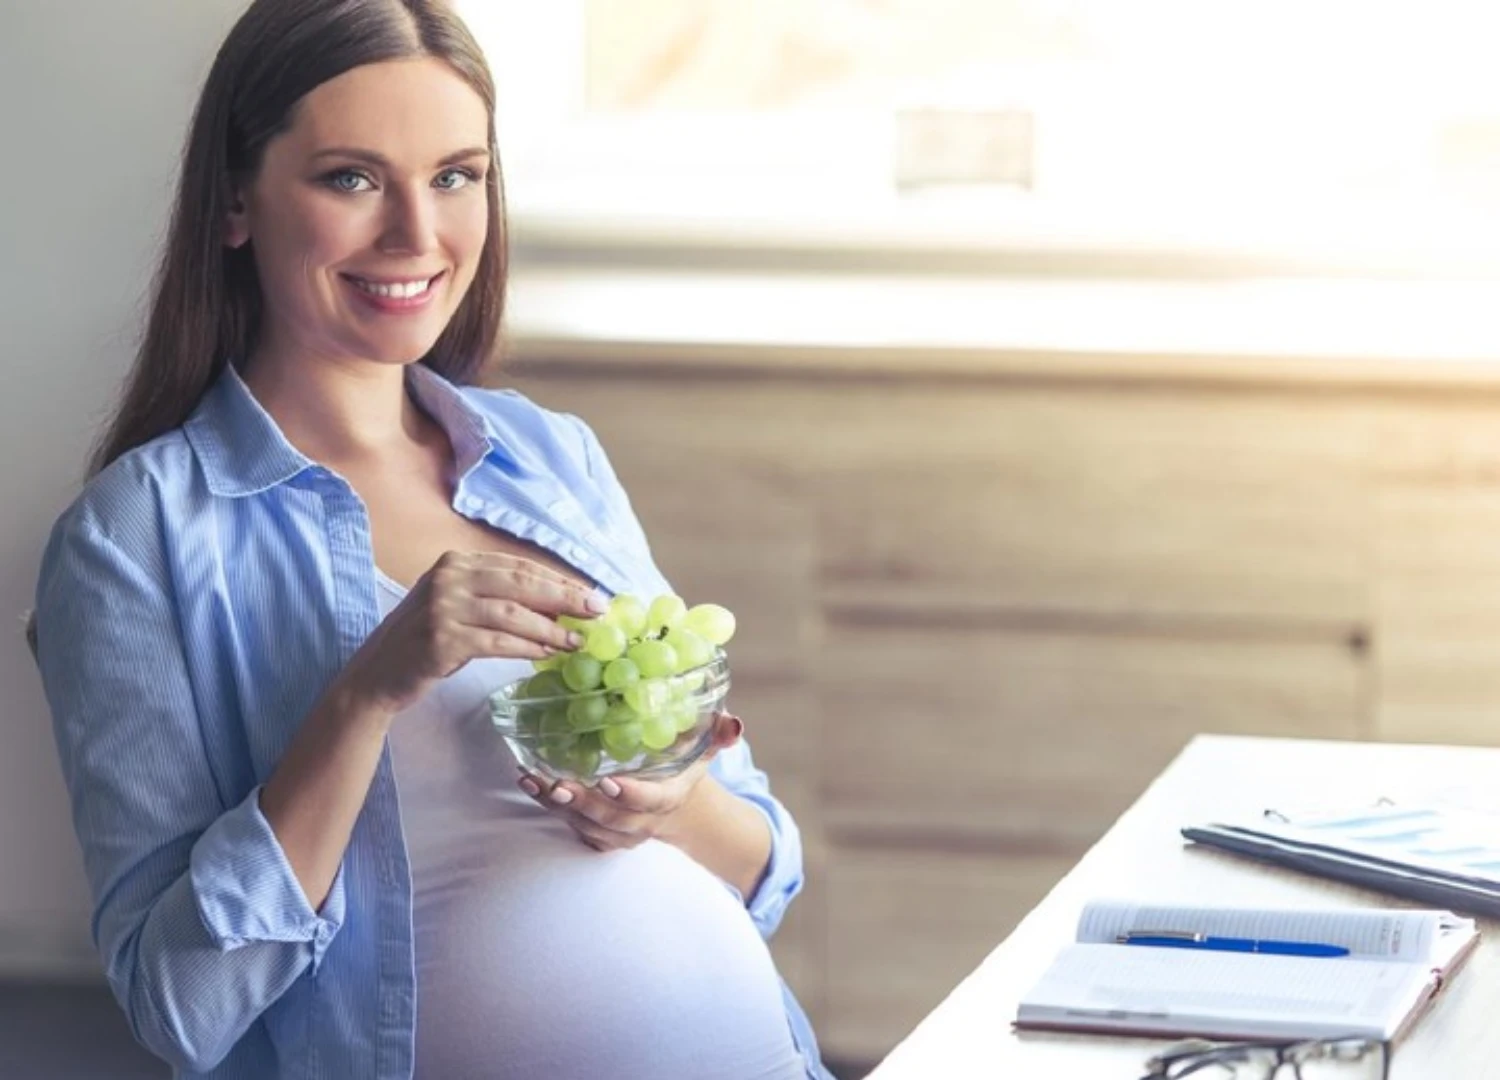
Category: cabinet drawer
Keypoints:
(905, 927)
(1107, 503)
(1046, 737)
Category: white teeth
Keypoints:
(405, 290)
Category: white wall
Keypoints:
(95, 97)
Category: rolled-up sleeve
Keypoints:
(246, 891)
(197, 916)
(783, 877)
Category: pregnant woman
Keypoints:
(308, 549)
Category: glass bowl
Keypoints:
(657, 728)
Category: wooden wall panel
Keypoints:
(906, 927)
(1043, 738)
(1437, 647)
(1110, 504)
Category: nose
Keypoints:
(411, 222)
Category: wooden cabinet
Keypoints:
(906, 926)
(1037, 738)
(1437, 572)
(1106, 503)
(978, 615)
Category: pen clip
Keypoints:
(1176, 935)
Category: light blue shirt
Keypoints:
(193, 604)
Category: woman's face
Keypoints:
(368, 216)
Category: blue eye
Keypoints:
(462, 177)
(348, 181)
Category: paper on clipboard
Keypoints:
(1437, 854)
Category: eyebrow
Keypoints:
(370, 157)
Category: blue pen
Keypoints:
(1181, 939)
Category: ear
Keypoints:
(237, 220)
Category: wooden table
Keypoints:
(969, 1034)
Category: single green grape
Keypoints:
(665, 612)
(654, 658)
(582, 672)
(620, 673)
(582, 759)
(549, 663)
(647, 696)
(658, 731)
(573, 622)
(621, 741)
(529, 720)
(693, 650)
(628, 613)
(712, 621)
(606, 642)
(587, 713)
(684, 716)
(544, 684)
(556, 750)
(619, 712)
(555, 723)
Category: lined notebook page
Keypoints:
(1190, 992)
(1367, 933)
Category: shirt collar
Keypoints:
(244, 452)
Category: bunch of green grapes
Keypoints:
(631, 688)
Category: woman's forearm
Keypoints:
(315, 794)
(723, 833)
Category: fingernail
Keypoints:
(597, 602)
(561, 796)
(575, 639)
(736, 725)
(609, 787)
(529, 786)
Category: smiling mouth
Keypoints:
(410, 289)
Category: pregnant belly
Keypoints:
(542, 957)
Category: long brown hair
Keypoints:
(206, 299)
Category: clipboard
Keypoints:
(1441, 856)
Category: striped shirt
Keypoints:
(193, 603)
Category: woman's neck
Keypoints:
(342, 414)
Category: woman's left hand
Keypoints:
(624, 812)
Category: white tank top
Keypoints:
(537, 956)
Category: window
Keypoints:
(1333, 130)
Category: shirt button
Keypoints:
(469, 502)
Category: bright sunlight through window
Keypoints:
(1368, 129)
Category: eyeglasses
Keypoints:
(1317, 1059)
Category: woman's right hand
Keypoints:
(469, 605)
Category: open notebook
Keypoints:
(1397, 961)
